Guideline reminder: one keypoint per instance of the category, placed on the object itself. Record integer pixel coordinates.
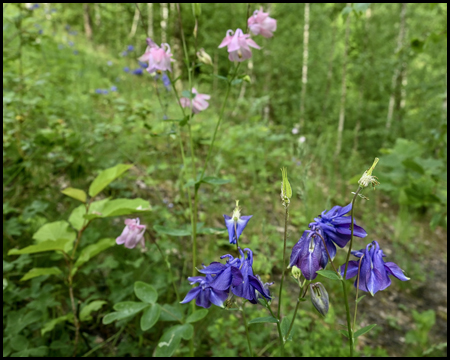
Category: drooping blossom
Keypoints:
(235, 277)
(238, 45)
(198, 103)
(334, 226)
(374, 272)
(204, 57)
(132, 234)
(236, 223)
(158, 58)
(261, 24)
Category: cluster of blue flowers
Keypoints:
(235, 277)
(334, 228)
(104, 91)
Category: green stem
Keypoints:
(300, 296)
(286, 215)
(347, 309)
(280, 335)
(356, 298)
(246, 331)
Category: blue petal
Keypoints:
(213, 268)
(394, 270)
(229, 223)
(352, 269)
(244, 290)
(196, 279)
(203, 299)
(237, 277)
(297, 249)
(222, 281)
(241, 224)
(191, 295)
(217, 297)
(309, 265)
(258, 286)
(344, 210)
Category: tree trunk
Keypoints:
(164, 17)
(330, 68)
(150, 20)
(397, 71)
(97, 15)
(135, 22)
(343, 89)
(87, 21)
(304, 67)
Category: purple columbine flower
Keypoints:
(374, 271)
(166, 81)
(142, 64)
(137, 71)
(236, 223)
(335, 227)
(98, 91)
(126, 69)
(113, 88)
(204, 294)
(225, 274)
(130, 48)
(309, 254)
(132, 234)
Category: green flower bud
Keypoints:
(319, 298)
(286, 190)
(197, 9)
(296, 272)
(247, 78)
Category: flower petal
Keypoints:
(191, 295)
(394, 270)
(229, 223)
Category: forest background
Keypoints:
(335, 87)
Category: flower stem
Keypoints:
(347, 309)
(300, 296)
(246, 330)
(286, 216)
(280, 335)
(357, 287)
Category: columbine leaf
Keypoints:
(85, 313)
(35, 272)
(145, 292)
(106, 177)
(197, 316)
(329, 274)
(171, 231)
(76, 194)
(150, 316)
(360, 298)
(171, 313)
(58, 245)
(345, 333)
(124, 310)
(364, 330)
(171, 339)
(91, 250)
(266, 319)
(285, 324)
(49, 326)
(214, 180)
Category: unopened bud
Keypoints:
(286, 190)
(247, 78)
(204, 57)
(196, 9)
(296, 272)
(319, 298)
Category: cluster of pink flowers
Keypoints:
(239, 43)
(159, 58)
(198, 103)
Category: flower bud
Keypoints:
(296, 272)
(204, 57)
(367, 177)
(319, 298)
(197, 9)
(247, 78)
(286, 190)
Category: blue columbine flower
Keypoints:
(236, 223)
(98, 91)
(309, 254)
(138, 71)
(335, 227)
(130, 48)
(225, 274)
(143, 65)
(166, 81)
(126, 69)
(260, 289)
(374, 271)
(113, 88)
(204, 294)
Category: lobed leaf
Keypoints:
(150, 316)
(197, 316)
(145, 292)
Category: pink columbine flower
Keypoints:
(261, 23)
(132, 234)
(199, 102)
(159, 58)
(238, 45)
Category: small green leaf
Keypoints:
(285, 325)
(266, 319)
(171, 339)
(77, 194)
(145, 292)
(91, 250)
(360, 298)
(214, 180)
(171, 313)
(345, 333)
(197, 316)
(85, 313)
(49, 326)
(119, 207)
(150, 316)
(58, 230)
(171, 231)
(77, 219)
(106, 177)
(211, 231)
(191, 182)
(224, 78)
(236, 82)
(188, 94)
(329, 274)
(35, 272)
(124, 310)
(59, 245)
(364, 330)
(19, 342)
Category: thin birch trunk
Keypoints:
(150, 20)
(87, 21)
(330, 68)
(343, 89)
(177, 49)
(304, 67)
(97, 15)
(400, 40)
(164, 17)
(135, 23)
